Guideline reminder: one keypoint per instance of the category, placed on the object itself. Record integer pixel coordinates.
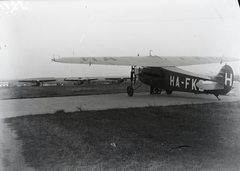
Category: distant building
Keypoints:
(4, 84)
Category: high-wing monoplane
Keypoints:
(116, 79)
(80, 80)
(161, 73)
(88, 80)
(37, 81)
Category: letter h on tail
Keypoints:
(228, 79)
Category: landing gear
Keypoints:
(155, 90)
(217, 96)
(169, 91)
(151, 90)
(131, 88)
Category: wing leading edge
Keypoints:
(150, 61)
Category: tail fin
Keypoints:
(225, 77)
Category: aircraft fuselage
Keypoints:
(162, 78)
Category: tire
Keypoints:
(157, 90)
(151, 90)
(130, 91)
(169, 91)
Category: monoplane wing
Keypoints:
(117, 79)
(150, 61)
(80, 79)
(37, 80)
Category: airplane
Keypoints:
(88, 80)
(37, 81)
(117, 79)
(80, 80)
(161, 73)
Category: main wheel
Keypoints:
(151, 90)
(157, 90)
(130, 90)
(169, 91)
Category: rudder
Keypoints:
(225, 77)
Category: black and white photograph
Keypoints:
(100, 85)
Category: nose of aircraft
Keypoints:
(138, 70)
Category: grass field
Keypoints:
(185, 137)
(59, 91)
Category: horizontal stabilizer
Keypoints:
(209, 85)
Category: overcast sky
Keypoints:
(32, 31)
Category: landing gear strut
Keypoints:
(131, 88)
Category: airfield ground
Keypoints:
(61, 91)
(183, 137)
(179, 137)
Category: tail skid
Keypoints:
(217, 96)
